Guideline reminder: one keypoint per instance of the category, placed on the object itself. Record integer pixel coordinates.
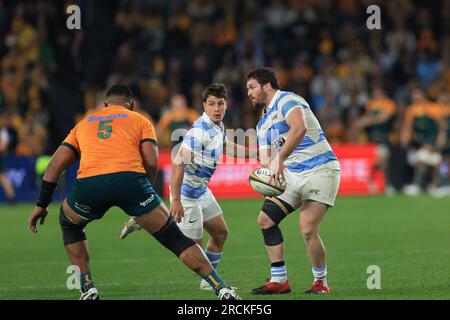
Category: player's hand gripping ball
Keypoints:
(260, 181)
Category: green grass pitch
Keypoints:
(408, 238)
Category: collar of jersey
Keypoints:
(116, 106)
(272, 103)
(211, 123)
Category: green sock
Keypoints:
(86, 282)
(214, 280)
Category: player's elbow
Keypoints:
(151, 166)
(298, 133)
(61, 160)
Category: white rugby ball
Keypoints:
(259, 180)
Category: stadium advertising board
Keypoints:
(230, 181)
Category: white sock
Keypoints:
(214, 258)
(320, 273)
(278, 274)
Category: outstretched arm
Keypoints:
(236, 150)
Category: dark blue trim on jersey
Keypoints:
(282, 127)
(307, 142)
(202, 172)
(205, 127)
(289, 105)
(313, 162)
(193, 143)
(191, 192)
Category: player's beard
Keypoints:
(260, 105)
(261, 101)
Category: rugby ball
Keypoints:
(260, 181)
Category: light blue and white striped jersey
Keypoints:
(205, 140)
(313, 151)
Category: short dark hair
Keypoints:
(217, 90)
(121, 91)
(265, 75)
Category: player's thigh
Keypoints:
(427, 156)
(312, 215)
(73, 216)
(321, 185)
(292, 195)
(275, 209)
(216, 227)
(210, 207)
(90, 197)
(213, 219)
(154, 220)
(192, 222)
(134, 194)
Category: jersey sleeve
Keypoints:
(71, 141)
(148, 132)
(195, 141)
(289, 104)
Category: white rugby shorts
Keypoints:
(196, 212)
(320, 184)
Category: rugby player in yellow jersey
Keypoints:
(421, 129)
(118, 164)
(378, 121)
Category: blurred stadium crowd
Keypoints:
(167, 51)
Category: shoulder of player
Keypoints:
(416, 108)
(200, 125)
(437, 110)
(384, 104)
(287, 97)
(203, 131)
(138, 117)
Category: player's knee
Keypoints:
(171, 237)
(72, 233)
(272, 236)
(223, 233)
(264, 221)
(220, 235)
(273, 212)
(309, 233)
